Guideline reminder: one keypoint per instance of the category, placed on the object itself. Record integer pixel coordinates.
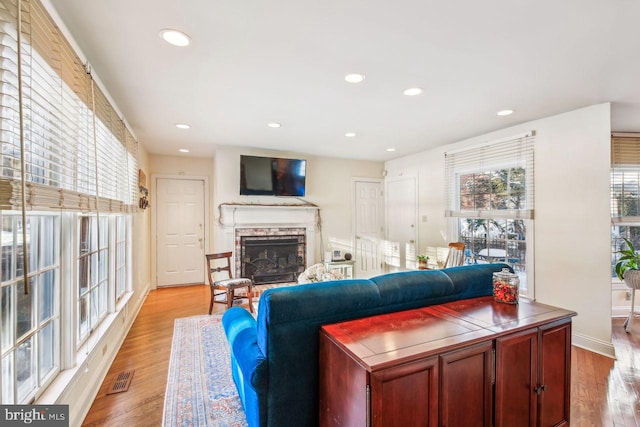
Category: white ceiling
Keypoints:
(252, 62)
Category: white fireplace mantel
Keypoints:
(240, 216)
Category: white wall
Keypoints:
(142, 234)
(572, 214)
(328, 185)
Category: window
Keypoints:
(490, 203)
(625, 193)
(93, 279)
(80, 171)
(30, 322)
(121, 275)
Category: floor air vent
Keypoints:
(121, 382)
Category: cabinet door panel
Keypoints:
(342, 387)
(516, 373)
(466, 393)
(555, 375)
(406, 395)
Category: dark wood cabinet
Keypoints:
(517, 373)
(533, 377)
(443, 365)
(466, 386)
(406, 395)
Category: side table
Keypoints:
(345, 267)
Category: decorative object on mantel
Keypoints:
(336, 255)
(347, 256)
(143, 203)
(319, 273)
(505, 286)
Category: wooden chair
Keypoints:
(227, 286)
(455, 256)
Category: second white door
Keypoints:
(401, 202)
(180, 231)
(368, 227)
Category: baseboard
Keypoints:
(621, 310)
(593, 344)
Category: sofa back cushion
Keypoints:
(424, 287)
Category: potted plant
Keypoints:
(628, 266)
(422, 261)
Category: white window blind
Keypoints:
(625, 178)
(77, 152)
(9, 95)
(491, 181)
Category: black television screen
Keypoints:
(272, 176)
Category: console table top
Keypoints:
(380, 340)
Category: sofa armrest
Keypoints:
(240, 328)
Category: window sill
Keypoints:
(618, 285)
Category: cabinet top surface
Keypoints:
(380, 339)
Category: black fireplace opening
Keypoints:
(272, 259)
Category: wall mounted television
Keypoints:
(272, 176)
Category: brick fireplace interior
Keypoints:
(270, 255)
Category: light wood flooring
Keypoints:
(604, 392)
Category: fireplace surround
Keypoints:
(271, 255)
(264, 222)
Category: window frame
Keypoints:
(95, 278)
(508, 153)
(40, 380)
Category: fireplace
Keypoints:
(271, 255)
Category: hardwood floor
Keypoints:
(604, 392)
(146, 349)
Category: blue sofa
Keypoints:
(274, 359)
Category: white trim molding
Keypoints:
(239, 216)
(593, 344)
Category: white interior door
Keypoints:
(180, 231)
(368, 227)
(401, 202)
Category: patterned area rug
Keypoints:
(200, 389)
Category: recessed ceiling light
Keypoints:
(504, 112)
(390, 149)
(412, 91)
(274, 125)
(350, 134)
(175, 37)
(183, 150)
(183, 126)
(354, 78)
